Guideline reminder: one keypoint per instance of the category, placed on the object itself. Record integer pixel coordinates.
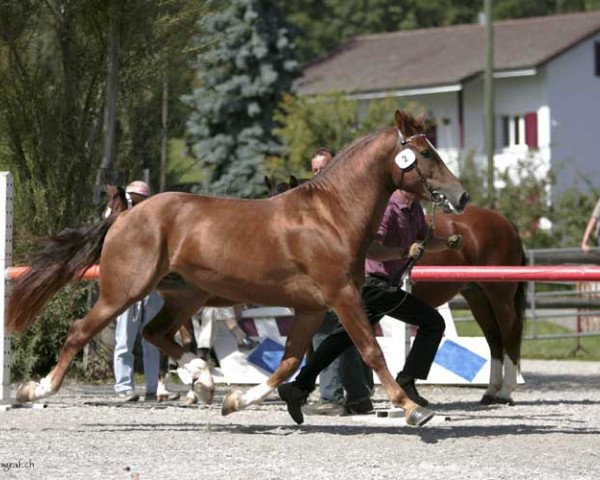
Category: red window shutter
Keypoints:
(531, 130)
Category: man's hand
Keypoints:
(415, 251)
(455, 242)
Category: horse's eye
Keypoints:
(427, 153)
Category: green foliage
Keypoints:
(504, 9)
(473, 178)
(326, 24)
(331, 121)
(52, 71)
(242, 75)
(35, 352)
(525, 200)
(571, 212)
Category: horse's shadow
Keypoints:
(428, 434)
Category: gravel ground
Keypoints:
(552, 433)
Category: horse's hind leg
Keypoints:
(298, 340)
(80, 332)
(189, 344)
(483, 313)
(502, 299)
(179, 305)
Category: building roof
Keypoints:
(442, 56)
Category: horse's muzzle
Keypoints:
(450, 203)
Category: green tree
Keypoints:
(571, 211)
(242, 75)
(331, 121)
(504, 9)
(52, 71)
(326, 24)
(473, 178)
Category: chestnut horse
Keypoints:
(498, 307)
(489, 239)
(304, 249)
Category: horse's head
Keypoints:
(277, 188)
(418, 168)
(117, 200)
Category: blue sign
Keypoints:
(267, 355)
(459, 360)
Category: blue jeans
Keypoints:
(129, 325)
(344, 373)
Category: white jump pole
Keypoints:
(6, 210)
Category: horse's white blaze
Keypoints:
(495, 377)
(255, 394)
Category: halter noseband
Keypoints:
(435, 197)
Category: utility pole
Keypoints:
(488, 89)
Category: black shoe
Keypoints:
(361, 407)
(294, 397)
(407, 383)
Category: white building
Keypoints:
(546, 87)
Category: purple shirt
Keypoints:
(402, 225)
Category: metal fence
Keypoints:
(574, 305)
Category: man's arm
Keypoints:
(382, 253)
(591, 226)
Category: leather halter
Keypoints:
(435, 197)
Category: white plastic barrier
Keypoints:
(6, 189)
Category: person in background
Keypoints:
(129, 325)
(205, 330)
(592, 229)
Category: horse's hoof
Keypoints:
(505, 401)
(419, 416)
(206, 394)
(493, 400)
(26, 391)
(191, 398)
(231, 403)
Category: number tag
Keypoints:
(405, 158)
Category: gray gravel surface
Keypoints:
(552, 433)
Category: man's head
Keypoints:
(320, 160)
(136, 191)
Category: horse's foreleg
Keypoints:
(298, 340)
(352, 316)
(80, 333)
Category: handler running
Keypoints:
(388, 255)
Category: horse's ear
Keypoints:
(403, 121)
(268, 183)
(110, 189)
(294, 181)
(421, 121)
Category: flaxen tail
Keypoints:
(63, 257)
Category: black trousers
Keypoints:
(381, 298)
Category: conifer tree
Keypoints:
(248, 63)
